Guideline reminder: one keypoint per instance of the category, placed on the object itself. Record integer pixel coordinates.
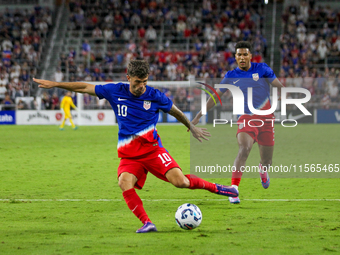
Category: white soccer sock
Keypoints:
(235, 186)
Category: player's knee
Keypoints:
(244, 151)
(125, 184)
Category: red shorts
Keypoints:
(158, 162)
(261, 131)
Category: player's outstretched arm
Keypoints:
(196, 132)
(210, 104)
(80, 87)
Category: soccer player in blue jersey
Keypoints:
(259, 76)
(136, 107)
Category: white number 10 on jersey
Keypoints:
(166, 160)
(122, 110)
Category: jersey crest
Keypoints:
(147, 105)
(256, 76)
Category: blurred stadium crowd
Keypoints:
(310, 51)
(197, 40)
(23, 33)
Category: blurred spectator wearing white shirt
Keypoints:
(150, 34)
(304, 14)
(27, 47)
(7, 43)
(337, 43)
(108, 33)
(135, 19)
(26, 25)
(3, 90)
(43, 27)
(180, 27)
(58, 75)
(171, 71)
(126, 34)
(207, 31)
(109, 18)
(17, 67)
(334, 91)
(322, 51)
(97, 33)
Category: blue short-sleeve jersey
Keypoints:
(136, 116)
(259, 76)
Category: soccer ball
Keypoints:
(188, 216)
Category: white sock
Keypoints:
(235, 186)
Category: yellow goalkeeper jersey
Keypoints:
(66, 105)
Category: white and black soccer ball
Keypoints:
(188, 216)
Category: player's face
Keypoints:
(137, 85)
(243, 57)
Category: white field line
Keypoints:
(161, 200)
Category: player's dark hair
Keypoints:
(243, 45)
(138, 68)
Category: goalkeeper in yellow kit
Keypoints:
(66, 105)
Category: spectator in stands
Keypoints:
(78, 18)
(58, 75)
(71, 54)
(108, 34)
(135, 20)
(109, 18)
(43, 27)
(126, 34)
(320, 83)
(180, 28)
(7, 43)
(63, 63)
(7, 101)
(326, 101)
(26, 25)
(32, 57)
(322, 51)
(34, 104)
(86, 49)
(4, 78)
(46, 103)
(171, 71)
(141, 32)
(36, 45)
(108, 62)
(150, 34)
(3, 90)
(22, 105)
(97, 34)
(72, 68)
(334, 55)
(180, 99)
(119, 57)
(27, 46)
(117, 32)
(55, 102)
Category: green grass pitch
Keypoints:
(59, 195)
